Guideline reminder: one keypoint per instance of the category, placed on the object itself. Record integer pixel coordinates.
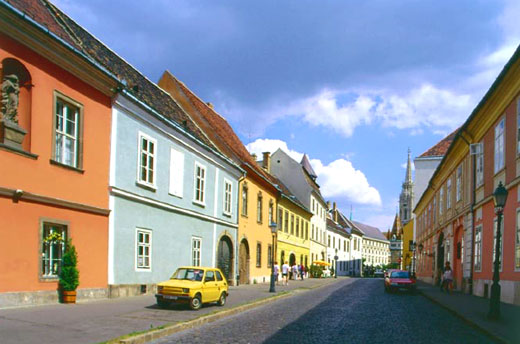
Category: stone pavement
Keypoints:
(103, 320)
(474, 309)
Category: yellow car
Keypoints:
(194, 285)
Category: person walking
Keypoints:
(295, 271)
(276, 271)
(285, 273)
(447, 278)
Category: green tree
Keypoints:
(69, 274)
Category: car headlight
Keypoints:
(159, 288)
(185, 290)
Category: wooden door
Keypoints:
(243, 262)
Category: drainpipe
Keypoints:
(472, 210)
(237, 245)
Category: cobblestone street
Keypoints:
(352, 311)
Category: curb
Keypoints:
(463, 318)
(171, 329)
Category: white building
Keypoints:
(376, 248)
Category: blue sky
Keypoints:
(351, 83)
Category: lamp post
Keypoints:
(336, 264)
(500, 197)
(412, 248)
(273, 227)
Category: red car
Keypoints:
(400, 280)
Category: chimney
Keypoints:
(266, 162)
(254, 156)
(328, 205)
(335, 212)
(210, 105)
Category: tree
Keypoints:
(69, 274)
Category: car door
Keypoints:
(221, 282)
(210, 287)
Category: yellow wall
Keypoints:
(254, 232)
(407, 253)
(296, 240)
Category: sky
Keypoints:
(353, 84)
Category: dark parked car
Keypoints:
(379, 273)
(400, 280)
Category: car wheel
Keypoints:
(196, 303)
(222, 300)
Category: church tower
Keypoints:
(406, 198)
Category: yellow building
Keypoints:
(293, 244)
(407, 262)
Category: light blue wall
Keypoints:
(172, 220)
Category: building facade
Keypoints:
(376, 247)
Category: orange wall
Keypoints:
(20, 224)
(39, 176)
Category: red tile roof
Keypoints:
(441, 147)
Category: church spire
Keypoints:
(408, 178)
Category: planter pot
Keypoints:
(68, 296)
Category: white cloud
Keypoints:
(339, 179)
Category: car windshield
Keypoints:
(400, 274)
(188, 274)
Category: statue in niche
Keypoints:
(10, 94)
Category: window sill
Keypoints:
(200, 204)
(18, 151)
(72, 168)
(243, 215)
(49, 279)
(227, 214)
(149, 187)
(143, 269)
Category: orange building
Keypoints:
(54, 158)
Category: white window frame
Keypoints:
(51, 267)
(448, 193)
(458, 176)
(479, 166)
(60, 134)
(176, 187)
(196, 251)
(228, 197)
(199, 194)
(441, 200)
(500, 129)
(140, 151)
(143, 267)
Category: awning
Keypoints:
(320, 262)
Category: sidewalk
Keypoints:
(474, 309)
(98, 321)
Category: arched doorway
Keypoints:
(243, 262)
(225, 257)
(440, 258)
(292, 259)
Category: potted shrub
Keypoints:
(69, 274)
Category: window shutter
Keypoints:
(176, 172)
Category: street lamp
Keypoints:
(273, 227)
(336, 264)
(500, 197)
(412, 248)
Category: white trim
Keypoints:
(194, 238)
(141, 135)
(203, 190)
(149, 232)
(215, 211)
(111, 234)
(113, 149)
(167, 206)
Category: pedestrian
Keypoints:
(302, 271)
(276, 271)
(447, 278)
(295, 271)
(285, 273)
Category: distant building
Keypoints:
(406, 197)
(376, 247)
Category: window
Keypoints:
(517, 241)
(297, 226)
(67, 132)
(501, 248)
(147, 147)
(258, 255)
(280, 219)
(328, 241)
(270, 215)
(306, 231)
(195, 251)
(479, 161)
(144, 249)
(292, 224)
(53, 247)
(176, 173)
(259, 208)
(286, 222)
(434, 209)
(499, 145)
(200, 183)
(219, 276)
(458, 195)
(210, 276)
(269, 255)
(448, 194)
(228, 192)
(244, 200)
(312, 233)
(441, 200)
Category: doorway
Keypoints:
(243, 262)
(225, 257)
